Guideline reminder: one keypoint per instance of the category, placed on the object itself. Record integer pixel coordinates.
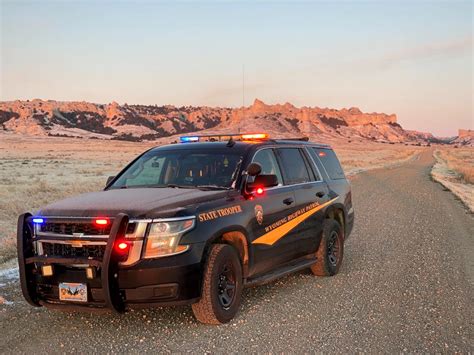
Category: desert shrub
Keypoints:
(6, 116)
(89, 121)
(293, 122)
(210, 122)
(394, 124)
(127, 137)
(332, 121)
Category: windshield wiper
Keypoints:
(176, 186)
(202, 187)
(213, 187)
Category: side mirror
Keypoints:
(264, 181)
(109, 179)
(254, 169)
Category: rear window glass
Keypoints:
(294, 167)
(329, 159)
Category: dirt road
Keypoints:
(406, 285)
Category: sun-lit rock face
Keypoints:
(466, 133)
(465, 137)
(148, 122)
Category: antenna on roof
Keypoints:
(243, 85)
(231, 142)
(243, 96)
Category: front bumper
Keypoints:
(172, 280)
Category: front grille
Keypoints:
(70, 228)
(67, 250)
(86, 228)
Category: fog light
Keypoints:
(47, 270)
(90, 272)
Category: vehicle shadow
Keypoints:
(254, 299)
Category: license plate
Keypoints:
(69, 291)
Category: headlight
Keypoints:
(163, 237)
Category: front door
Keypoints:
(268, 249)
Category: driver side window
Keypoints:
(266, 158)
(146, 174)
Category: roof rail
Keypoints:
(301, 139)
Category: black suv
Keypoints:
(190, 223)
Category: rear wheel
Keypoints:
(222, 286)
(330, 251)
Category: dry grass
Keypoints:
(37, 171)
(356, 157)
(461, 161)
(454, 169)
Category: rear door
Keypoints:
(310, 192)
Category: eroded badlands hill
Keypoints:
(148, 122)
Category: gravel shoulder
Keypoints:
(406, 285)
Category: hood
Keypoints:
(136, 202)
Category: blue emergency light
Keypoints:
(188, 139)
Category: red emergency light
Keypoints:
(101, 221)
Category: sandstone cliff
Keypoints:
(465, 137)
(148, 122)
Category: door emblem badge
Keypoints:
(259, 214)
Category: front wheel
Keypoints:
(222, 286)
(330, 251)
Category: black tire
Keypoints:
(331, 250)
(221, 287)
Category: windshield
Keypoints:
(182, 169)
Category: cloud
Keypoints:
(426, 51)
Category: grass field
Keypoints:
(454, 169)
(37, 171)
(461, 161)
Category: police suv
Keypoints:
(190, 223)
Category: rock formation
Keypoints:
(149, 122)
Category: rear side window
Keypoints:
(293, 165)
(329, 159)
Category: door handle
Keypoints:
(320, 194)
(288, 201)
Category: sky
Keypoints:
(411, 58)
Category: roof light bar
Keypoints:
(223, 137)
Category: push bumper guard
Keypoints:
(109, 264)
